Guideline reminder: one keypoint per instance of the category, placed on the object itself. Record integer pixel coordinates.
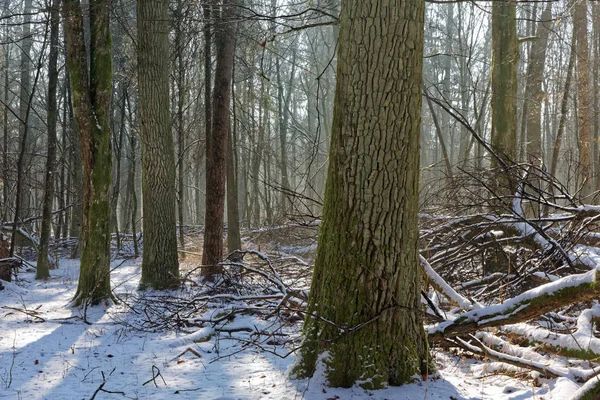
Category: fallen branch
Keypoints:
(188, 350)
(29, 313)
(440, 284)
(101, 389)
(477, 347)
(528, 305)
(581, 344)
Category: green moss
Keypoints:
(205, 339)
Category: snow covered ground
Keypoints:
(47, 351)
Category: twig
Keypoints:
(101, 388)
(155, 374)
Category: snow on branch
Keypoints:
(581, 344)
(440, 284)
(528, 305)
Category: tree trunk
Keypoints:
(595, 94)
(583, 96)
(131, 179)
(208, 6)
(283, 104)
(505, 54)
(91, 100)
(25, 92)
(234, 241)
(533, 90)
(563, 113)
(180, 82)
(43, 265)
(61, 185)
(160, 265)
(5, 165)
(215, 153)
(116, 192)
(76, 176)
(364, 305)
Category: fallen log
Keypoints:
(526, 306)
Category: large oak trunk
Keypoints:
(364, 310)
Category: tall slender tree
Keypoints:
(234, 240)
(43, 266)
(160, 265)
(505, 54)
(533, 90)
(216, 148)
(583, 95)
(92, 90)
(364, 305)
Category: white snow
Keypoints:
(63, 358)
(494, 311)
(456, 297)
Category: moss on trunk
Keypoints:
(91, 101)
(364, 306)
(505, 54)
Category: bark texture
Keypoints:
(160, 265)
(91, 90)
(43, 264)
(364, 309)
(216, 148)
(505, 54)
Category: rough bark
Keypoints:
(91, 90)
(160, 265)
(225, 32)
(364, 305)
(180, 84)
(505, 54)
(43, 264)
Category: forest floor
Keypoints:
(50, 350)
